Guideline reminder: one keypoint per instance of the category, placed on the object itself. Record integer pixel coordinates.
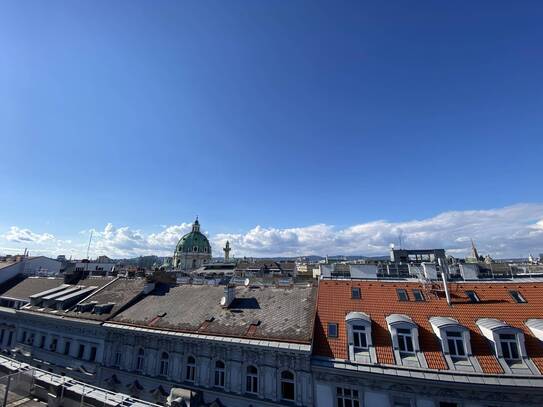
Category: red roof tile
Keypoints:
(379, 300)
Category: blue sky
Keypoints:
(274, 115)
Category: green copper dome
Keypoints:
(194, 241)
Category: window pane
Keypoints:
(409, 343)
(514, 350)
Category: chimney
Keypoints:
(229, 296)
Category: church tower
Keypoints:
(226, 250)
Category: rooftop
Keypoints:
(276, 314)
(379, 299)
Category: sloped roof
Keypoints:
(263, 313)
(31, 285)
(379, 300)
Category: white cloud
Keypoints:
(15, 234)
(504, 232)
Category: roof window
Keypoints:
(355, 293)
(473, 297)
(517, 297)
(402, 294)
(332, 330)
(418, 294)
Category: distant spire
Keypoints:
(474, 253)
(196, 225)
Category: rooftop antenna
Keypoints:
(88, 247)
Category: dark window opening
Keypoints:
(332, 330)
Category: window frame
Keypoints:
(251, 379)
(456, 337)
(140, 360)
(518, 297)
(511, 343)
(329, 333)
(400, 292)
(288, 382)
(358, 295)
(418, 295)
(190, 369)
(219, 373)
(353, 397)
(164, 365)
(473, 297)
(405, 336)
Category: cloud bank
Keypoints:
(511, 231)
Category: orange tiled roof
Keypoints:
(379, 300)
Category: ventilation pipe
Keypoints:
(444, 276)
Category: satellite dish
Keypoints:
(223, 301)
(246, 282)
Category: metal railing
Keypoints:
(27, 382)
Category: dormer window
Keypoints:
(405, 341)
(455, 342)
(360, 341)
(508, 344)
(360, 345)
(419, 296)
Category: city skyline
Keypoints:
(509, 232)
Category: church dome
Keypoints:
(194, 242)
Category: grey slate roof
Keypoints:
(260, 313)
(31, 285)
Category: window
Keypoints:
(164, 363)
(472, 296)
(508, 343)
(346, 397)
(54, 343)
(140, 359)
(355, 293)
(518, 297)
(287, 385)
(10, 338)
(81, 351)
(360, 341)
(219, 373)
(2, 332)
(117, 360)
(456, 344)
(419, 296)
(447, 404)
(67, 347)
(92, 356)
(332, 330)
(42, 341)
(23, 337)
(190, 372)
(402, 294)
(251, 385)
(405, 340)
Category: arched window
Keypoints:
(195, 249)
(219, 373)
(287, 385)
(164, 363)
(252, 380)
(190, 372)
(140, 359)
